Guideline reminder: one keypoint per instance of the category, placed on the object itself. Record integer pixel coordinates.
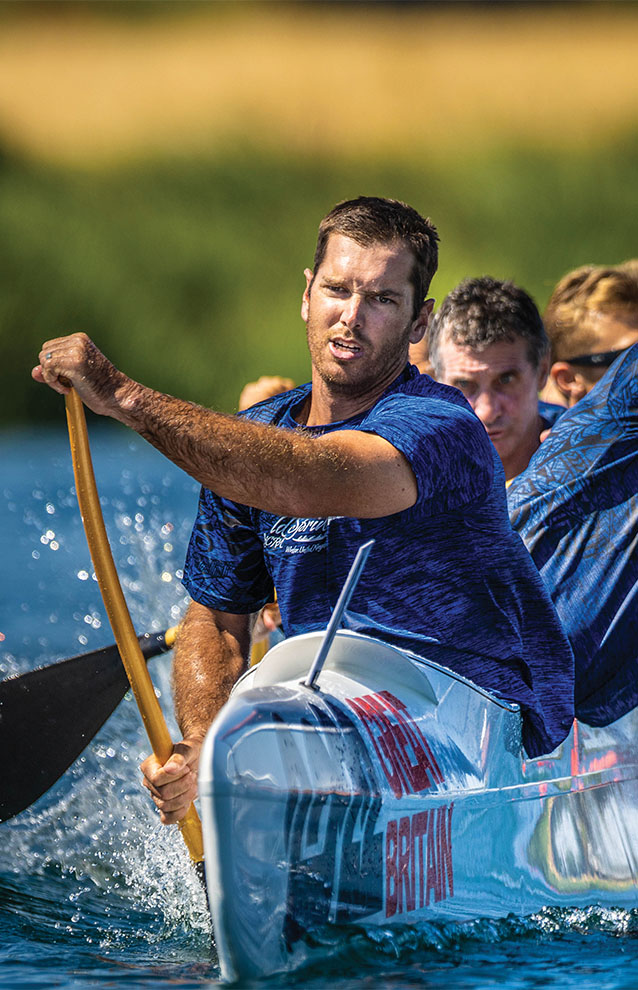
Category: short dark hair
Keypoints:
(484, 311)
(373, 220)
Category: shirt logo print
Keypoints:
(288, 535)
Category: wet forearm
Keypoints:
(208, 660)
(258, 465)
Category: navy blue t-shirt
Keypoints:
(576, 507)
(549, 413)
(447, 577)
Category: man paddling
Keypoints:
(369, 448)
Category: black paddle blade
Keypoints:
(48, 716)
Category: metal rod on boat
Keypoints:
(335, 619)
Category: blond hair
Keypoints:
(586, 290)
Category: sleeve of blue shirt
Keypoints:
(446, 445)
(576, 508)
(225, 567)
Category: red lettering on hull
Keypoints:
(403, 752)
(418, 860)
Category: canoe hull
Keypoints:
(397, 793)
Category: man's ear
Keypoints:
(568, 381)
(420, 325)
(305, 299)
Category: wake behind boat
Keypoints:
(395, 791)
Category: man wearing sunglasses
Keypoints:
(591, 318)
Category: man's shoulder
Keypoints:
(424, 398)
(420, 385)
(431, 422)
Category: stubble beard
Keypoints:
(342, 382)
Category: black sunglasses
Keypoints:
(602, 360)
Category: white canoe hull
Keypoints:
(395, 793)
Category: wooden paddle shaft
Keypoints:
(116, 608)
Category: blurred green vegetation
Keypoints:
(189, 273)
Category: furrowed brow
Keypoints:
(384, 292)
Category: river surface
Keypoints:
(93, 891)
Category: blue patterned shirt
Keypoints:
(447, 577)
(576, 507)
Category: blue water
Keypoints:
(93, 891)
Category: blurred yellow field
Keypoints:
(350, 81)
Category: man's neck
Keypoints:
(528, 447)
(326, 405)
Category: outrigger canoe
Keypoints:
(394, 791)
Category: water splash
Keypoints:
(148, 507)
(89, 861)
